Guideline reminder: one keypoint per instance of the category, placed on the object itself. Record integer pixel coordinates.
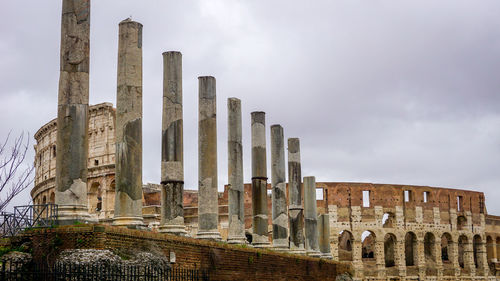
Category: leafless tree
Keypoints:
(14, 176)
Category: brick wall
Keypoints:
(224, 262)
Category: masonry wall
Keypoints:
(224, 262)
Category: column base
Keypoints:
(297, 251)
(261, 245)
(209, 235)
(135, 222)
(70, 214)
(179, 230)
(327, 256)
(237, 240)
(314, 254)
(280, 245)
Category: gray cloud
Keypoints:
(379, 91)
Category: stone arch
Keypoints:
(112, 186)
(95, 198)
(462, 244)
(430, 247)
(390, 250)
(461, 223)
(345, 245)
(490, 248)
(477, 243)
(368, 244)
(411, 252)
(44, 200)
(52, 199)
(446, 242)
(388, 220)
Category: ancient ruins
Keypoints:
(386, 232)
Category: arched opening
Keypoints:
(112, 186)
(44, 200)
(490, 246)
(477, 244)
(411, 249)
(429, 248)
(388, 220)
(368, 245)
(95, 198)
(389, 250)
(446, 247)
(461, 223)
(345, 245)
(52, 199)
(462, 244)
(497, 245)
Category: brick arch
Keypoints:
(368, 240)
(390, 244)
(411, 251)
(346, 240)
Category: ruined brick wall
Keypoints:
(224, 262)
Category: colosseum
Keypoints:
(387, 232)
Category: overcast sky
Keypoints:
(403, 92)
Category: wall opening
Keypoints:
(95, 198)
(52, 198)
(427, 196)
(460, 203)
(429, 249)
(489, 248)
(411, 249)
(368, 245)
(54, 153)
(345, 245)
(407, 195)
(389, 250)
(461, 223)
(446, 247)
(497, 245)
(476, 249)
(319, 193)
(388, 220)
(366, 198)
(462, 243)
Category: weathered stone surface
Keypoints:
(259, 181)
(128, 202)
(72, 113)
(172, 159)
(296, 214)
(278, 184)
(236, 231)
(208, 210)
(324, 236)
(310, 217)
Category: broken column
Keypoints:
(72, 113)
(208, 209)
(296, 211)
(259, 181)
(236, 233)
(310, 216)
(324, 236)
(128, 177)
(172, 163)
(278, 184)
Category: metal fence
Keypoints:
(29, 216)
(11, 271)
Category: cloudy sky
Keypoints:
(404, 92)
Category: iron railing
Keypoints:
(29, 216)
(12, 271)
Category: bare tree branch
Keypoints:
(14, 176)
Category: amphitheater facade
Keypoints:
(387, 232)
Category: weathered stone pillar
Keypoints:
(324, 236)
(357, 263)
(128, 177)
(437, 256)
(420, 258)
(400, 259)
(72, 112)
(311, 219)
(278, 183)
(259, 181)
(236, 191)
(208, 207)
(295, 209)
(172, 159)
(469, 256)
(379, 257)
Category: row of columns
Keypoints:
(73, 144)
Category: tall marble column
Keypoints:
(208, 209)
(259, 181)
(72, 112)
(296, 211)
(128, 177)
(278, 184)
(324, 236)
(236, 233)
(172, 163)
(311, 219)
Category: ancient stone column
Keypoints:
(296, 211)
(172, 163)
(208, 209)
(324, 236)
(310, 216)
(236, 233)
(259, 181)
(128, 157)
(278, 183)
(72, 112)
